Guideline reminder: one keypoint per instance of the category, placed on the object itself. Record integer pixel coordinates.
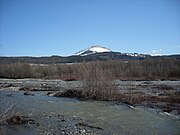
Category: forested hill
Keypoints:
(76, 58)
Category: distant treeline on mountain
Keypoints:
(76, 58)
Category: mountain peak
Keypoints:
(93, 49)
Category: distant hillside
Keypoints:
(77, 58)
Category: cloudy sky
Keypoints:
(63, 27)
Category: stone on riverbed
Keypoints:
(69, 93)
(29, 94)
(19, 120)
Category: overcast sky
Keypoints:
(63, 27)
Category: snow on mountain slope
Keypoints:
(99, 49)
(92, 50)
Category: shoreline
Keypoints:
(163, 95)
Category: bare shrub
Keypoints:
(98, 90)
(98, 83)
(149, 69)
(17, 70)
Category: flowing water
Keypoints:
(117, 119)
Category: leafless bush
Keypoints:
(17, 70)
(98, 83)
(151, 69)
(98, 90)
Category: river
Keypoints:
(101, 117)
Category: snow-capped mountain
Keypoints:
(93, 53)
(92, 50)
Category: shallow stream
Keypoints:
(117, 119)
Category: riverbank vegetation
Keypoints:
(98, 79)
(155, 69)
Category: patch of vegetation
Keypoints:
(9, 116)
(152, 69)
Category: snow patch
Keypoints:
(99, 49)
(92, 50)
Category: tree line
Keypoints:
(152, 69)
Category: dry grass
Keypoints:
(7, 110)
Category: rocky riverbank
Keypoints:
(164, 95)
(140, 107)
(38, 84)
